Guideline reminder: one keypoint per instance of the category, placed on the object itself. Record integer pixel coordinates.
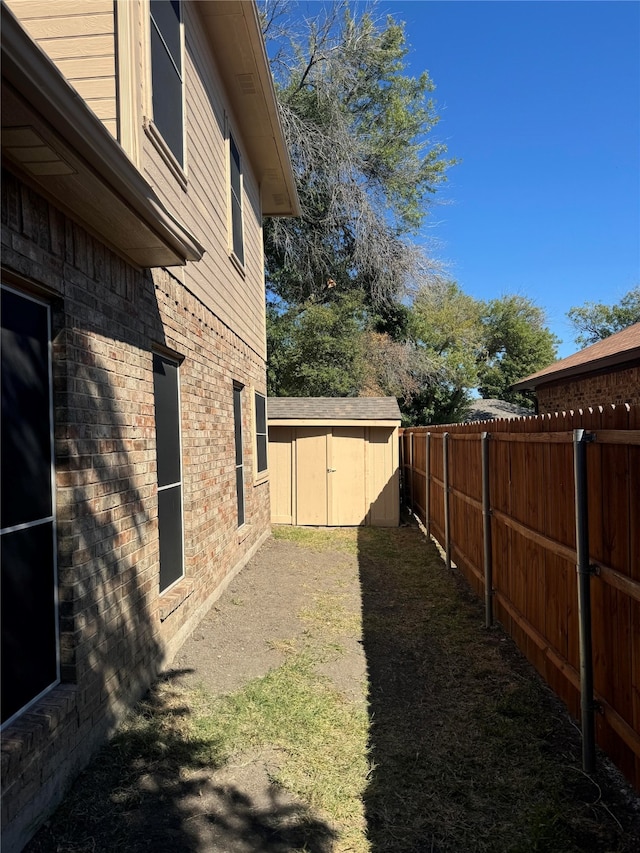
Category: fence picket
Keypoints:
(533, 557)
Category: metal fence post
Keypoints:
(427, 477)
(486, 533)
(580, 439)
(445, 464)
(411, 470)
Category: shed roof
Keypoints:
(334, 408)
(616, 350)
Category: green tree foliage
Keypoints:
(315, 349)
(445, 328)
(594, 320)
(358, 132)
(516, 343)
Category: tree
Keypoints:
(316, 350)
(595, 320)
(445, 328)
(358, 132)
(516, 343)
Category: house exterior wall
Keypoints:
(116, 629)
(80, 38)
(599, 389)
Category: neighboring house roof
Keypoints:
(486, 410)
(334, 408)
(614, 351)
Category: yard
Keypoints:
(344, 695)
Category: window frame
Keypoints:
(177, 361)
(50, 519)
(260, 474)
(177, 166)
(235, 204)
(238, 441)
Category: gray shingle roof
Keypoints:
(334, 408)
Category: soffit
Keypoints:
(233, 30)
(56, 143)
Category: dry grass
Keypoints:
(460, 748)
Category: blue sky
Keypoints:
(541, 102)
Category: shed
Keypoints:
(334, 461)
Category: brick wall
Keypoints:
(116, 629)
(601, 389)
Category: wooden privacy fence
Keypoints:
(501, 499)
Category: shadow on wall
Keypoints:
(152, 790)
(106, 505)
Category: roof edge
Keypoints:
(530, 383)
(37, 79)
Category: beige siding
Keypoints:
(237, 297)
(79, 36)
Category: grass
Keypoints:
(460, 749)
(320, 739)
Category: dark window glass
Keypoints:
(166, 16)
(29, 645)
(237, 422)
(165, 386)
(236, 202)
(27, 554)
(166, 74)
(26, 422)
(167, 408)
(261, 432)
(240, 492)
(170, 534)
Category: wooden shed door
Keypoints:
(347, 476)
(330, 476)
(311, 475)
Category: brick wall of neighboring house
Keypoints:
(603, 389)
(116, 629)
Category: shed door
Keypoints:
(347, 476)
(330, 476)
(311, 475)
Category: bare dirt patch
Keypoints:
(343, 695)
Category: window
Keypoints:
(30, 655)
(237, 243)
(166, 74)
(261, 433)
(237, 421)
(167, 408)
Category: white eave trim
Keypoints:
(36, 79)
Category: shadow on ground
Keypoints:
(470, 750)
(163, 794)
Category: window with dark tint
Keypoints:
(236, 202)
(166, 73)
(261, 433)
(167, 408)
(27, 528)
(237, 421)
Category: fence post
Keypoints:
(486, 533)
(427, 477)
(411, 470)
(445, 464)
(583, 567)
